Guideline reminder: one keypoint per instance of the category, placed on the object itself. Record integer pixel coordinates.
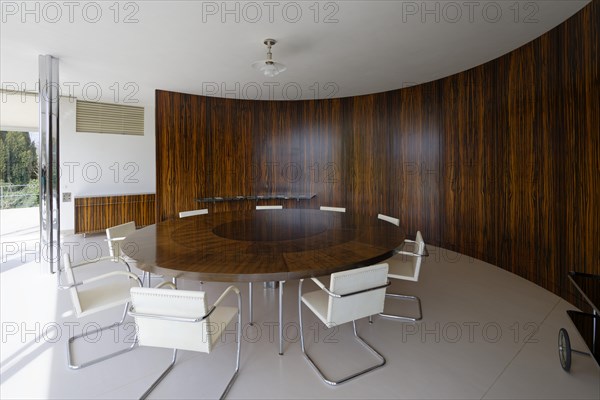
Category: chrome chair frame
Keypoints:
(133, 313)
(360, 340)
(72, 339)
(114, 247)
(399, 296)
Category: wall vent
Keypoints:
(109, 118)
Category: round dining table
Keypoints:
(262, 245)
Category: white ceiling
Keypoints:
(195, 47)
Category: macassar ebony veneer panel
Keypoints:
(182, 151)
(499, 162)
(96, 213)
(521, 153)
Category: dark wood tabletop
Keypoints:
(262, 245)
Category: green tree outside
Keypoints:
(18, 166)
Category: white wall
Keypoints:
(103, 164)
(19, 111)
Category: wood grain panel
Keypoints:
(181, 153)
(578, 100)
(229, 147)
(95, 214)
(499, 162)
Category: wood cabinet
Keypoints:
(96, 213)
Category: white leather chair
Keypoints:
(185, 214)
(181, 319)
(351, 295)
(335, 209)
(95, 294)
(114, 236)
(279, 207)
(406, 265)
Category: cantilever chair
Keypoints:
(406, 265)
(114, 236)
(181, 319)
(185, 214)
(352, 294)
(90, 299)
(335, 209)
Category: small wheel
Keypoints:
(564, 349)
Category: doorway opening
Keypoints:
(19, 197)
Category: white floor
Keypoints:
(486, 334)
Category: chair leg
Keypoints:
(72, 339)
(239, 345)
(237, 360)
(281, 317)
(358, 338)
(404, 317)
(161, 377)
(250, 317)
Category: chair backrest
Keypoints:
(353, 307)
(118, 231)
(418, 252)
(336, 209)
(68, 271)
(194, 336)
(389, 219)
(416, 260)
(184, 214)
(269, 207)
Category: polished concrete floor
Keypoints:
(485, 334)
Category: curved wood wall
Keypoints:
(500, 162)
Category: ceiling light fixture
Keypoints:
(269, 67)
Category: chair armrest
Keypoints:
(331, 294)
(133, 313)
(117, 239)
(225, 293)
(95, 260)
(318, 283)
(115, 259)
(407, 253)
(101, 277)
(230, 289)
(165, 283)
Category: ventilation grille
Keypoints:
(109, 118)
